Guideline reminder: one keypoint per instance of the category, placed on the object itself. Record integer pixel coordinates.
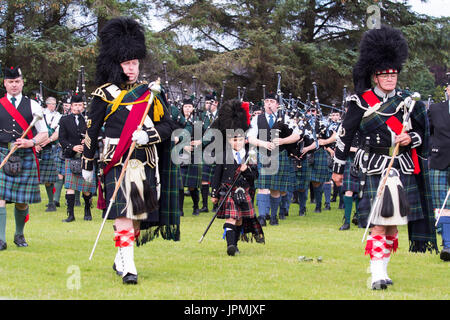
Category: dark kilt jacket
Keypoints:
(165, 221)
(421, 229)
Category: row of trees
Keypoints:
(244, 42)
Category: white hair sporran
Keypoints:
(393, 207)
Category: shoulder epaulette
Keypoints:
(107, 92)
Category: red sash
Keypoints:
(22, 123)
(133, 120)
(394, 124)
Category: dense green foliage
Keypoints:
(240, 41)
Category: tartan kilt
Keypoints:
(350, 182)
(76, 182)
(370, 192)
(191, 175)
(25, 187)
(60, 163)
(230, 210)
(284, 180)
(47, 166)
(320, 171)
(439, 187)
(302, 176)
(207, 172)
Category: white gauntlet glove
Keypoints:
(141, 137)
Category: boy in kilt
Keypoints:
(118, 106)
(439, 116)
(233, 171)
(72, 130)
(272, 185)
(47, 165)
(19, 177)
(378, 113)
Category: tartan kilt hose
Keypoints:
(283, 180)
(25, 187)
(302, 176)
(439, 180)
(191, 175)
(411, 190)
(76, 182)
(47, 166)
(350, 182)
(207, 172)
(60, 163)
(320, 171)
(230, 210)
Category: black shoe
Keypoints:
(345, 226)
(273, 222)
(445, 254)
(318, 210)
(355, 220)
(327, 206)
(302, 212)
(333, 199)
(262, 221)
(196, 212)
(69, 219)
(87, 213)
(282, 217)
(19, 240)
(3, 245)
(51, 207)
(57, 204)
(341, 206)
(204, 209)
(130, 279)
(379, 285)
(88, 217)
(231, 250)
(115, 269)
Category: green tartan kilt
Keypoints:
(76, 182)
(302, 176)
(25, 187)
(439, 181)
(60, 163)
(191, 175)
(350, 182)
(284, 180)
(320, 171)
(47, 166)
(208, 172)
(370, 192)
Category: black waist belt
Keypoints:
(387, 151)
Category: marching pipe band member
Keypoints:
(378, 113)
(272, 185)
(19, 177)
(235, 172)
(47, 165)
(439, 115)
(118, 105)
(191, 172)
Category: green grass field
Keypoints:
(56, 265)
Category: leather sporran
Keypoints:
(75, 166)
(13, 167)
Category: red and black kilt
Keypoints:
(230, 210)
(76, 182)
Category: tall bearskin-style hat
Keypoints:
(233, 115)
(382, 50)
(121, 39)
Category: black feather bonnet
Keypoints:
(380, 49)
(121, 39)
(232, 115)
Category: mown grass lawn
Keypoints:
(56, 265)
